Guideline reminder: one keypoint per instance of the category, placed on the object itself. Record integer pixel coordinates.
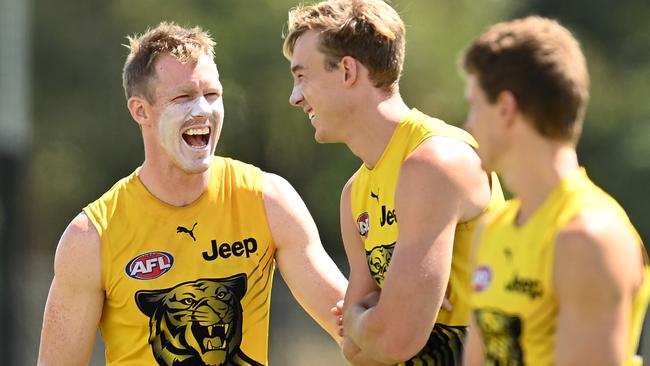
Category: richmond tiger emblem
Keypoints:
(501, 334)
(378, 261)
(197, 323)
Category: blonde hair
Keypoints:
(371, 31)
(185, 44)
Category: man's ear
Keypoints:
(139, 108)
(508, 106)
(350, 70)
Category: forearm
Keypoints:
(316, 284)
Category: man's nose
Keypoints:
(296, 97)
(201, 108)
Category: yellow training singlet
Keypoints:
(514, 302)
(186, 285)
(373, 207)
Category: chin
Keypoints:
(322, 138)
(197, 166)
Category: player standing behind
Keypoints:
(561, 275)
(419, 174)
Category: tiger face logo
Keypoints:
(378, 261)
(197, 323)
(501, 335)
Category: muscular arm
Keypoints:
(597, 271)
(74, 304)
(311, 275)
(432, 196)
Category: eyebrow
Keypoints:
(184, 90)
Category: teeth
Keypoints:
(218, 344)
(213, 328)
(198, 131)
(311, 115)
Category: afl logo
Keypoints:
(482, 278)
(150, 265)
(364, 224)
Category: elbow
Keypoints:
(394, 349)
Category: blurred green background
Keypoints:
(60, 83)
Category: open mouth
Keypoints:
(197, 137)
(212, 337)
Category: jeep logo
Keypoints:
(225, 250)
(387, 216)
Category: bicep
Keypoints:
(594, 278)
(299, 252)
(311, 275)
(427, 207)
(75, 300)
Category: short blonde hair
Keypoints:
(185, 44)
(371, 31)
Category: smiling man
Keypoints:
(408, 213)
(175, 262)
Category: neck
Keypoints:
(374, 126)
(533, 176)
(172, 185)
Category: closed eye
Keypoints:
(182, 98)
(212, 96)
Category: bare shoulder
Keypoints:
(79, 238)
(597, 246)
(598, 231)
(288, 217)
(346, 192)
(78, 254)
(441, 150)
(280, 199)
(451, 166)
(275, 187)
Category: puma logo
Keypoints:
(375, 196)
(507, 252)
(181, 229)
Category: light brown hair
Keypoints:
(371, 31)
(185, 44)
(541, 63)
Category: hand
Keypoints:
(446, 304)
(337, 311)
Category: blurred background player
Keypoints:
(561, 276)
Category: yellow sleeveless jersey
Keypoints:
(514, 302)
(373, 207)
(186, 285)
